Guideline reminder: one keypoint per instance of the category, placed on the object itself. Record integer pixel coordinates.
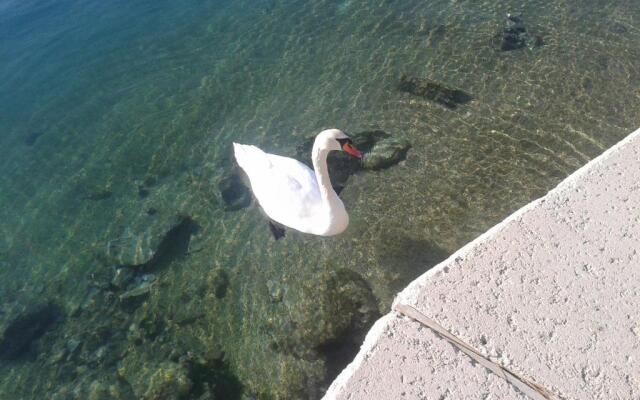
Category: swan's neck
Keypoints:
(335, 218)
(329, 196)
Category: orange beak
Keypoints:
(348, 147)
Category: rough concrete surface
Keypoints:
(410, 361)
(553, 294)
(549, 298)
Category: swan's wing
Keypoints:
(300, 177)
(286, 189)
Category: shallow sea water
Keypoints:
(116, 123)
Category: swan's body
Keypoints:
(293, 194)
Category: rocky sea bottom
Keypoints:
(134, 263)
(162, 341)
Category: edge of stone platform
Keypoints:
(409, 293)
(369, 343)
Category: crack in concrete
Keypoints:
(531, 389)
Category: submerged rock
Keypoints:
(276, 292)
(99, 391)
(32, 137)
(122, 277)
(170, 381)
(233, 192)
(188, 375)
(321, 330)
(342, 165)
(72, 347)
(97, 192)
(211, 376)
(58, 356)
(332, 322)
(366, 140)
(103, 389)
(156, 381)
(156, 246)
(350, 303)
(350, 308)
(219, 282)
(434, 91)
(515, 36)
(381, 150)
(386, 153)
(19, 333)
(138, 291)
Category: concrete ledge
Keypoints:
(549, 298)
(532, 390)
(409, 360)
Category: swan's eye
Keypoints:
(344, 141)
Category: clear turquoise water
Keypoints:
(116, 120)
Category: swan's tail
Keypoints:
(251, 158)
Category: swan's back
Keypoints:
(286, 189)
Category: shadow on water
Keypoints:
(134, 282)
(214, 378)
(351, 296)
(408, 257)
(174, 245)
(404, 257)
(18, 342)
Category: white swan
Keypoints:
(294, 195)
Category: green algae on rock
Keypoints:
(343, 307)
(164, 380)
(381, 150)
(103, 389)
(141, 290)
(434, 91)
(169, 382)
(386, 153)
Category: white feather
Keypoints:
(293, 194)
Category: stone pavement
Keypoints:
(545, 305)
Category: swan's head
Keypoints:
(335, 139)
